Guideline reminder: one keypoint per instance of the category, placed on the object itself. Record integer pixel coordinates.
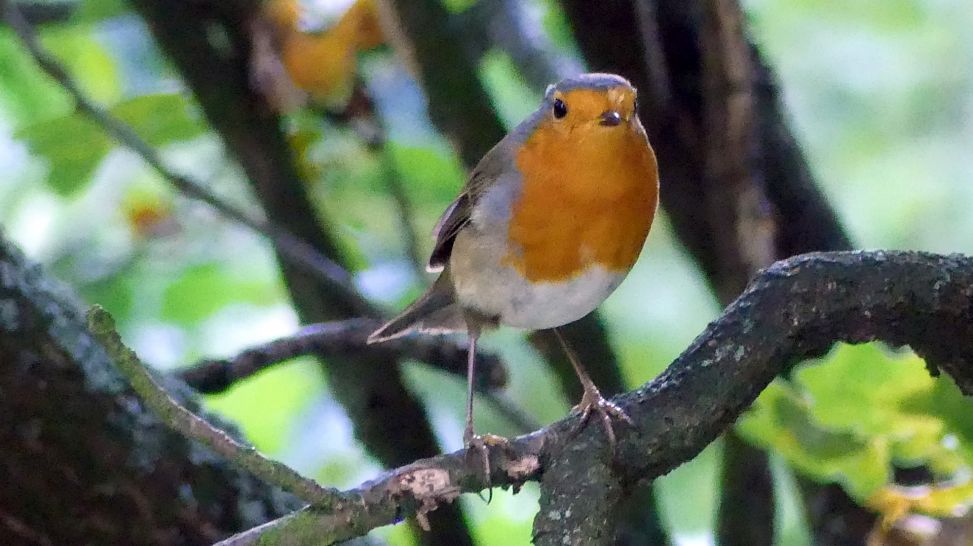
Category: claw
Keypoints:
(481, 444)
(594, 402)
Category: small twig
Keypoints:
(341, 338)
(178, 418)
(414, 489)
(344, 337)
(297, 251)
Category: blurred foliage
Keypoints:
(881, 95)
(885, 411)
(74, 146)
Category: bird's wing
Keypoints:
(458, 213)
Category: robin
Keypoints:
(549, 223)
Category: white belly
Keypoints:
(546, 305)
(502, 292)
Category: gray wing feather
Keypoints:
(457, 214)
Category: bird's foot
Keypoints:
(594, 403)
(481, 445)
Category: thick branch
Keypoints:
(73, 434)
(794, 310)
(180, 419)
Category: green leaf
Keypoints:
(877, 395)
(73, 147)
(160, 118)
(850, 417)
(25, 93)
(513, 98)
(458, 6)
(781, 420)
(87, 60)
(205, 289)
(557, 26)
(431, 175)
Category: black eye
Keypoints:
(635, 108)
(560, 109)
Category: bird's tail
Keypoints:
(435, 312)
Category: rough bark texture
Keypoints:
(794, 310)
(389, 421)
(81, 459)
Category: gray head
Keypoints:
(595, 99)
(594, 80)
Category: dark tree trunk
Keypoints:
(81, 460)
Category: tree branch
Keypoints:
(346, 338)
(342, 338)
(189, 425)
(73, 434)
(794, 310)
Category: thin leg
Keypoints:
(471, 441)
(475, 443)
(470, 365)
(592, 400)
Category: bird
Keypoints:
(549, 223)
(319, 65)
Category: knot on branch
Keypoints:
(428, 486)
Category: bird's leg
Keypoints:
(470, 375)
(592, 400)
(471, 441)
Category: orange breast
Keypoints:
(587, 198)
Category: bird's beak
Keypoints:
(610, 118)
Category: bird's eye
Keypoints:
(560, 109)
(635, 108)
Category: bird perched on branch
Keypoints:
(548, 225)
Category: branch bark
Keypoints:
(82, 461)
(794, 310)
(193, 427)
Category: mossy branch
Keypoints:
(102, 326)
